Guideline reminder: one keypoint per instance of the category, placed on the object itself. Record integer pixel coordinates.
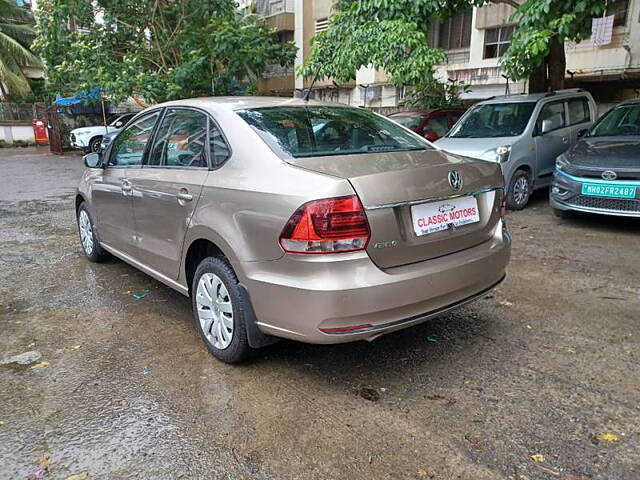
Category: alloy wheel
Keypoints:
(215, 310)
(86, 232)
(521, 190)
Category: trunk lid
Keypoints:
(390, 183)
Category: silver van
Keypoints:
(524, 133)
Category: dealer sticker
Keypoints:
(436, 216)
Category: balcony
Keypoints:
(277, 80)
(278, 13)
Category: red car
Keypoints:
(431, 124)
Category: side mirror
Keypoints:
(119, 124)
(547, 126)
(93, 160)
(431, 136)
(583, 132)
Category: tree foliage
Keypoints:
(392, 35)
(16, 35)
(155, 49)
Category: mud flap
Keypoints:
(255, 337)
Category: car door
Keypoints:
(112, 193)
(552, 143)
(167, 189)
(579, 115)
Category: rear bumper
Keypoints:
(297, 295)
(566, 195)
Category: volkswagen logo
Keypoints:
(446, 208)
(455, 179)
(609, 175)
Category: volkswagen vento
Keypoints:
(284, 218)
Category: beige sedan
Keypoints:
(283, 218)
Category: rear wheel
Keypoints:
(88, 238)
(218, 312)
(519, 190)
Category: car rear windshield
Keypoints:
(314, 131)
(620, 121)
(494, 120)
(410, 121)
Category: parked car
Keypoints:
(90, 138)
(276, 231)
(107, 138)
(601, 173)
(431, 124)
(524, 134)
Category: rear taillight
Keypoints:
(327, 226)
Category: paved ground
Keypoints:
(544, 366)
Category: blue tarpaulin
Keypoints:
(92, 95)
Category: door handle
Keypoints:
(184, 195)
(565, 140)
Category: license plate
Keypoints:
(612, 191)
(436, 216)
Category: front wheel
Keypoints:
(218, 312)
(95, 145)
(519, 190)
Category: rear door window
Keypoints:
(218, 148)
(181, 140)
(579, 111)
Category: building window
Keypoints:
(322, 24)
(620, 15)
(402, 93)
(455, 33)
(496, 41)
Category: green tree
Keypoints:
(392, 35)
(155, 49)
(16, 35)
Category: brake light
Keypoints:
(331, 225)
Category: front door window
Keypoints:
(129, 146)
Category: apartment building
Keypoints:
(474, 42)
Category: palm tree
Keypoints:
(16, 35)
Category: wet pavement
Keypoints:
(539, 380)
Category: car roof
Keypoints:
(535, 97)
(424, 112)
(242, 103)
(633, 101)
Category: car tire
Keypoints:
(95, 145)
(519, 190)
(88, 238)
(218, 310)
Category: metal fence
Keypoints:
(21, 112)
(266, 8)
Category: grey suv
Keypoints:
(280, 218)
(524, 134)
